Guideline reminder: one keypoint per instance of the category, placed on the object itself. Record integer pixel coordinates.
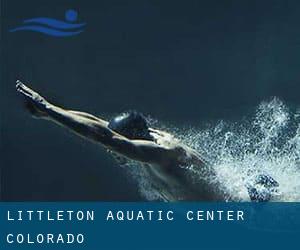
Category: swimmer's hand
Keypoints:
(35, 103)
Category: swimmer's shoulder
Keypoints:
(185, 155)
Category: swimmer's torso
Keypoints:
(180, 183)
(177, 179)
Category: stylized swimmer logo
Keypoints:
(53, 27)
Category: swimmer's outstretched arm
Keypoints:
(95, 129)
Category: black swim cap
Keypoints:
(132, 125)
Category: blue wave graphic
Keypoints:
(53, 23)
(47, 31)
(53, 27)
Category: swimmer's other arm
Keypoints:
(95, 129)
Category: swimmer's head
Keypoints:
(132, 125)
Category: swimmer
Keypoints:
(129, 136)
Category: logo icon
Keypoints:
(53, 27)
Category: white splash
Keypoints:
(268, 142)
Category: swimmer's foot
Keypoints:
(263, 188)
(34, 103)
